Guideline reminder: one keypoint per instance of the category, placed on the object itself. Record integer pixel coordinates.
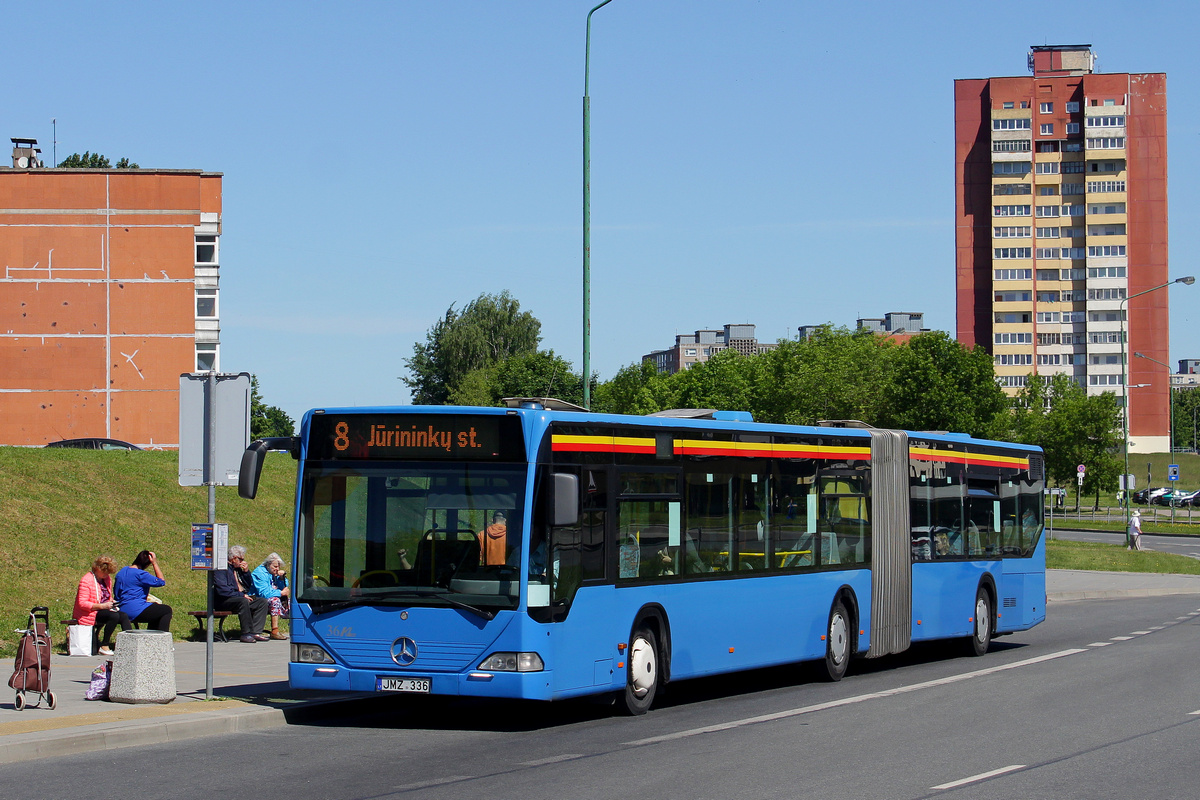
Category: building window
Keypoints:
(1048, 316)
(1106, 272)
(1072, 127)
(1012, 188)
(1104, 380)
(1072, 274)
(1106, 294)
(1009, 104)
(1014, 359)
(1046, 108)
(1106, 208)
(691, 351)
(1010, 124)
(1106, 186)
(1073, 209)
(1047, 274)
(1047, 129)
(1106, 143)
(1107, 250)
(1014, 338)
(1071, 233)
(1106, 316)
(1106, 230)
(1072, 188)
(1049, 360)
(1047, 211)
(1072, 147)
(1047, 147)
(1010, 168)
(1105, 337)
(1047, 297)
(1013, 274)
(1074, 316)
(1047, 168)
(1106, 122)
(206, 303)
(1011, 146)
(1047, 252)
(1072, 106)
(1049, 338)
(1106, 166)
(1010, 211)
(1010, 381)
(1047, 191)
(1072, 167)
(1047, 233)
(1012, 297)
(1013, 317)
(206, 357)
(1012, 252)
(206, 251)
(1011, 232)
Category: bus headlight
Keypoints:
(310, 654)
(513, 662)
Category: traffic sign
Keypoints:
(1173, 472)
(1081, 469)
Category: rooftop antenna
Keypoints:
(54, 142)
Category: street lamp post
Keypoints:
(587, 215)
(1188, 280)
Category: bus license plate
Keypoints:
(415, 685)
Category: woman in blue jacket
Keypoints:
(132, 589)
(270, 582)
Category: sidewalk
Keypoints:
(250, 691)
(250, 681)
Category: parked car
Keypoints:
(93, 443)
(1147, 495)
(1175, 497)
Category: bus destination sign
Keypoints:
(419, 436)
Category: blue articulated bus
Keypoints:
(542, 551)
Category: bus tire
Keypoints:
(838, 639)
(642, 673)
(981, 634)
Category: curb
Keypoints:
(1112, 594)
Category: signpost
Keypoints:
(214, 429)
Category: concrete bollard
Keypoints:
(143, 668)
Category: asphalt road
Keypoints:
(1101, 701)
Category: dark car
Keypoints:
(92, 443)
(1144, 496)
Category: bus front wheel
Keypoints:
(981, 635)
(641, 683)
(837, 642)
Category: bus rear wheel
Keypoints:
(981, 634)
(837, 642)
(641, 683)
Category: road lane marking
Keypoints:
(983, 776)
(1099, 644)
(1194, 713)
(541, 762)
(1158, 627)
(1121, 638)
(847, 701)
(1138, 633)
(432, 782)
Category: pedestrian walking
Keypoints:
(1135, 531)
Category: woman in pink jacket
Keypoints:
(96, 606)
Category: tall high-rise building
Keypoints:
(109, 291)
(1061, 214)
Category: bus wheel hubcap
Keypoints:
(837, 638)
(642, 667)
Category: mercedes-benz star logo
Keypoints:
(404, 651)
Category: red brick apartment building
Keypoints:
(1061, 217)
(108, 292)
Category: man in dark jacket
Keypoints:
(232, 592)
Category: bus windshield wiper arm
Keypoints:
(467, 607)
(325, 606)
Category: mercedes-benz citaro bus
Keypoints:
(542, 551)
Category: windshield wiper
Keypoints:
(326, 606)
(467, 607)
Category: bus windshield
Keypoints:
(411, 533)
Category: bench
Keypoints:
(219, 616)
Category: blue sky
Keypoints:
(780, 163)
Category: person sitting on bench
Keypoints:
(232, 592)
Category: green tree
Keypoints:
(937, 384)
(1185, 406)
(93, 161)
(489, 330)
(1072, 428)
(538, 374)
(267, 420)
(635, 389)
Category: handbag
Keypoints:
(98, 685)
(79, 640)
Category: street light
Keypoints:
(1188, 281)
(1171, 418)
(587, 215)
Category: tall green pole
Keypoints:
(587, 216)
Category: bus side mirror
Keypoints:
(252, 461)
(566, 500)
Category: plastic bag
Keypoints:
(98, 686)
(79, 639)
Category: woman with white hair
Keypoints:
(270, 582)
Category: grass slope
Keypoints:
(61, 508)
(1114, 557)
